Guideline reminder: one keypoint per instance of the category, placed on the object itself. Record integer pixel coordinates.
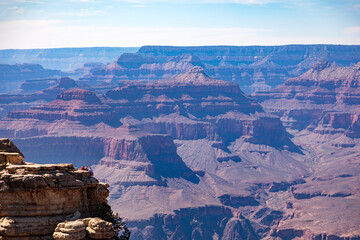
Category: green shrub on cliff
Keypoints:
(104, 212)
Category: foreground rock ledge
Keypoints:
(48, 201)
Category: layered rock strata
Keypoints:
(74, 105)
(36, 198)
(326, 87)
(26, 99)
(253, 68)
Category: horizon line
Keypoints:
(186, 46)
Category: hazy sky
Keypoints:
(87, 23)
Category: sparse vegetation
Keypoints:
(104, 212)
(2, 165)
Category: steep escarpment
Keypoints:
(36, 198)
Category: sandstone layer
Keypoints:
(36, 198)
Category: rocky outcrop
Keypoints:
(93, 228)
(74, 105)
(36, 198)
(64, 83)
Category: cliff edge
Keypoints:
(49, 201)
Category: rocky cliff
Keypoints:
(36, 198)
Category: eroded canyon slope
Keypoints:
(321, 109)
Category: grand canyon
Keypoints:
(215, 142)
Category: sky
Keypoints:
(28, 24)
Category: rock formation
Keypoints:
(325, 87)
(37, 199)
(24, 100)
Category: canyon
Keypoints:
(188, 156)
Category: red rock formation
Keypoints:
(21, 101)
(193, 92)
(63, 84)
(74, 105)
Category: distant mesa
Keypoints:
(131, 60)
(79, 94)
(63, 84)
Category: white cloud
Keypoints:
(15, 9)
